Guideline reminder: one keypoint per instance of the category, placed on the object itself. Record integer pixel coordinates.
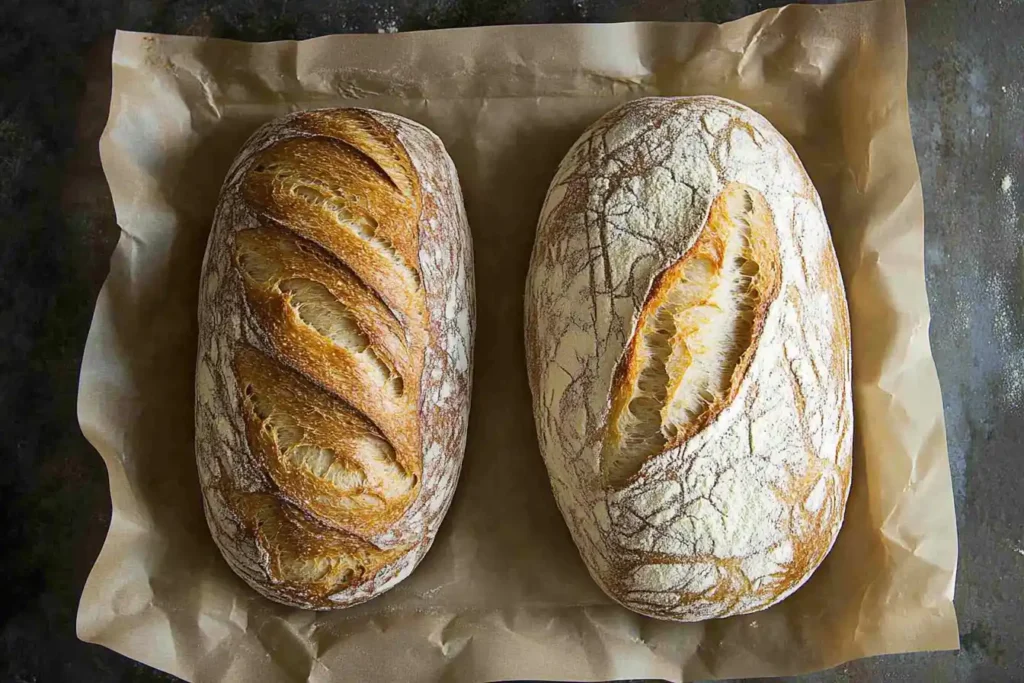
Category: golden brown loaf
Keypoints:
(335, 348)
(689, 357)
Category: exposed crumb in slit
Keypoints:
(388, 248)
(322, 463)
(362, 225)
(318, 308)
(652, 383)
(365, 476)
(718, 335)
(379, 463)
(367, 141)
(259, 254)
(694, 331)
(301, 553)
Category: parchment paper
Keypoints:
(504, 594)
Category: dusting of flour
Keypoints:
(736, 517)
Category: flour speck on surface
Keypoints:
(1007, 334)
(1007, 183)
(385, 18)
(961, 318)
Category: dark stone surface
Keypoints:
(967, 100)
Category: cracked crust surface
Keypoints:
(688, 352)
(333, 376)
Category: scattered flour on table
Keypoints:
(385, 17)
(1009, 339)
(961, 315)
(1007, 327)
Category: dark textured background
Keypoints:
(967, 111)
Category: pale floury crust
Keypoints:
(730, 508)
(336, 322)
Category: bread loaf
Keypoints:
(336, 320)
(688, 347)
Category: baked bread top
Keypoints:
(336, 303)
(689, 357)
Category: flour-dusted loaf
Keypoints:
(336, 318)
(688, 346)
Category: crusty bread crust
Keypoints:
(333, 376)
(688, 351)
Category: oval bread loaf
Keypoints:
(688, 348)
(336, 320)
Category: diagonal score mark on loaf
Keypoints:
(317, 307)
(367, 137)
(318, 450)
(351, 218)
(695, 335)
(329, 193)
(262, 254)
(305, 557)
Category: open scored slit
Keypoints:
(358, 222)
(304, 554)
(336, 448)
(364, 139)
(368, 138)
(316, 307)
(694, 336)
(323, 463)
(282, 534)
